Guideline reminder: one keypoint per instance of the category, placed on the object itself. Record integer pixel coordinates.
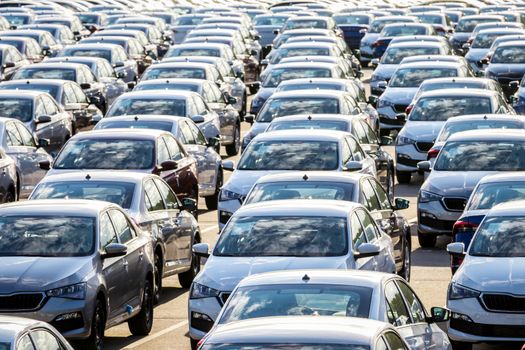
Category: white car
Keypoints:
(486, 295)
(22, 333)
(300, 332)
(373, 295)
(288, 234)
(289, 150)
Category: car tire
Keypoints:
(194, 343)
(407, 261)
(233, 149)
(384, 132)
(141, 323)
(457, 345)
(403, 177)
(98, 325)
(426, 240)
(213, 201)
(186, 278)
(158, 278)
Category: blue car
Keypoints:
(354, 27)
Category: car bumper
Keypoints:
(407, 157)
(226, 209)
(433, 218)
(388, 120)
(366, 53)
(202, 313)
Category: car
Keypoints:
(185, 23)
(499, 40)
(358, 188)
(489, 299)
(291, 235)
(21, 333)
(143, 40)
(403, 86)
(290, 150)
(152, 206)
(393, 30)
(72, 22)
(28, 47)
(81, 247)
(11, 60)
(93, 21)
(146, 151)
(318, 22)
(394, 55)
(266, 25)
(311, 48)
(370, 295)
(429, 114)
(16, 19)
(466, 25)
(153, 34)
(170, 102)
(352, 69)
(281, 38)
(353, 26)
(301, 332)
(440, 21)
(507, 65)
(61, 33)
(444, 194)
(50, 47)
(218, 101)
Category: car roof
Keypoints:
(459, 92)
(307, 30)
(20, 93)
(414, 43)
(157, 94)
(429, 64)
(299, 329)
(304, 176)
(308, 93)
(303, 64)
(502, 31)
(299, 207)
(55, 82)
(302, 44)
(92, 46)
(55, 65)
(186, 64)
(489, 135)
(149, 117)
(481, 81)
(513, 208)
(96, 175)
(75, 59)
(511, 43)
(315, 80)
(57, 207)
(479, 117)
(12, 325)
(138, 134)
(199, 45)
(518, 176)
(170, 81)
(306, 134)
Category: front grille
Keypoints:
(400, 108)
(504, 303)
(21, 301)
(68, 325)
(223, 297)
(407, 161)
(424, 146)
(441, 225)
(454, 204)
(488, 330)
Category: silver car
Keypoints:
(86, 267)
(19, 333)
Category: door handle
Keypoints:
(141, 255)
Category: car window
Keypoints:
(14, 138)
(381, 345)
(347, 153)
(370, 134)
(413, 304)
(25, 343)
(162, 151)
(371, 201)
(187, 135)
(45, 340)
(39, 108)
(124, 231)
(50, 105)
(107, 231)
(153, 197)
(89, 76)
(8, 57)
(359, 132)
(79, 93)
(27, 138)
(199, 137)
(219, 97)
(81, 77)
(173, 148)
(69, 95)
(371, 232)
(394, 341)
(201, 107)
(396, 310)
(358, 233)
(357, 153)
(170, 199)
(384, 202)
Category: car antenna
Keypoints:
(306, 278)
(309, 117)
(305, 177)
(485, 117)
(88, 177)
(136, 118)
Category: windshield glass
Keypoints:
(280, 107)
(134, 124)
(351, 19)
(290, 155)
(299, 51)
(509, 55)
(404, 31)
(298, 346)
(170, 86)
(482, 156)
(306, 236)
(431, 19)
(48, 236)
(297, 300)
(148, 106)
(467, 25)
(87, 53)
(500, 237)
(278, 75)
(120, 193)
(452, 128)
(451, 85)
(21, 109)
(413, 77)
(43, 73)
(301, 190)
(309, 124)
(396, 54)
(16, 20)
(305, 24)
(484, 40)
(269, 21)
(311, 86)
(433, 109)
(194, 52)
(106, 154)
(50, 89)
(491, 194)
(174, 72)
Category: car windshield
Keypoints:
(396, 54)
(490, 194)
(164, 86)
(413, 77)
(135, 124)
(45, 73)
(431, 19)
(500, 237)
(269, 21)
(484, 40)
(451, 85)
(403, 31)
(295, 346)
(50, 89)
(19, 44)
(299, 51)
(301, 190)
(16, 20)
(120, 193)
(278, 75)
(154, 106)
(482, 156)
(174, 72)
(87, 18)
(194, 52)
(297, 236)
(509, 55)
(290, 155)
(309, 124)
(433, 109)
(47, 236)
(106, 154)
(21, 109)
(311, 86)
(452, 128)
(280, 107)
(297, 300)
(87, 53)
(467, 25)
(306, 24)
(351, 19)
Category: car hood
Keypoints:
(224, 273)
(505, 275)
(453, 183)
(21, 273)
(421, 131)
(505, 69)
(385, 70)
(369, 38)
(474, 55)
(461, 37)
(256, 129)
(264, 93)
(399, 95)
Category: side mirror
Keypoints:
(254, 53)
(401, 203)
(44, 165)
(353, 166)
(366, 250)
(228, 165)
(255, 86)
(122, 74)
(465, 46)
(213, 142)
(276, 31)
(514, 85)
(131, 85)
(375, 62)
(386, 140)
(42, 119)
(114, 250)
(197, 118)
(382, 84)
(201, 249)
(424, 166)
(239, 75)
(85, 86)
(363, 31)
(96, 118)
(42, 143)
(401, 117)
(257, 37)
(264, 62)
(168, 165)
(118, 64)
(189, 204)
(249, 118)
(9, 65)
(439, 314)
(456, 248)
(372, 100)
(232, 100)
(484, 61)
(46, 52)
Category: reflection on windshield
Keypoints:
(194, 52)
(396, 55)
(88, 53)
(312, 86)
(139, 106)
(45, 73)
(433, 109)
(404, 31)
(500, 237)
(491, 194)
(278, 75)
(509, 55)
(21, 109)
(349, 19)
(301, 190)
(305, 24)
(281, 107)
(300, 51)
(453, 128)
(413, 77)
(299, 346)
(174, 72)
(309, 124)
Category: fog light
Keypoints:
(199, 316)
(461, 317)
(68, 316)
(224, 216)
(428, 215)
(403, 156)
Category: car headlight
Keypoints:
(425, 197)
(375, 78)
(226, 195)
(457, 291)
(257, 102)
(384, 103)
(75, 291)
(199, 291)
(402, 140)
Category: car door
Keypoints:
(172, 177)
(359, 155)
(384, 260)
(185, 165)
(358, 238)
(58, 125)
(398, 314)
(198, 149)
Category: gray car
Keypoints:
(80, 265)
(23, 333)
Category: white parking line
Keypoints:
(214, 227)
(155, 335)
(412, 221)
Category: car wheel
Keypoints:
(141, 324)
(186, 278)
(403, 177)
(390, 186)
(213, 200)
(98, 324)
(457, 345)
(384, 132)
(426, 240)
(10, 196)
(244, 106)
(407, 258)
(233, 149)
(158, 278)
(194, 343)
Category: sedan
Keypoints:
(393, 30)
(28, 47)
(21, 333)
(50, 47)
(507, 64)
(10, 60)
(87, 267)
